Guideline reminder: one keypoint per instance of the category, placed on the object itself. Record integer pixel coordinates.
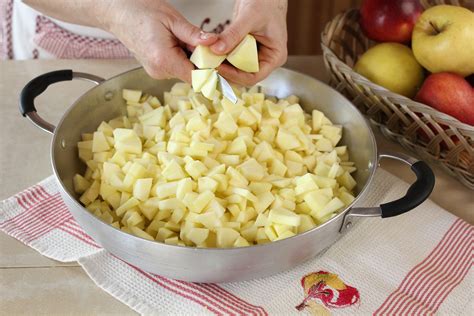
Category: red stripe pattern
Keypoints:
(428, 284)
(71, 227)
(422, 291)
(210, 296)
(64, 44)
(43, 212)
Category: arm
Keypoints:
(151, 29)
(84, 12)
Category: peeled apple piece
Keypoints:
(199, 77)
(209, 88)
(203, 57)
(245, 55)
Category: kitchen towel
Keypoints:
(417, 263)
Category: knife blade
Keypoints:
(227, 90)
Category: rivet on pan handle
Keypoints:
(39, 84)
(416, 194)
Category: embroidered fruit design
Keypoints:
(328, 289)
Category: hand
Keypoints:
(156, 34)
(266, 21)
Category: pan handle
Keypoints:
(416, 194)
(39, 84)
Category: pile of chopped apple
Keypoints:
(203, 173)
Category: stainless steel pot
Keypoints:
(104, 102)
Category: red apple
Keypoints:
(450, 94)
(389, 20)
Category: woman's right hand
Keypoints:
(156, 33)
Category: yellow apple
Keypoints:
(443, 40)
(203, 57)
(392, 66)
(245, 55)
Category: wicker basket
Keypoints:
(432, 135)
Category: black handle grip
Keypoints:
(417, 193)
(38, 85)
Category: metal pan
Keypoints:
(104, 102)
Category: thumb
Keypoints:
(230, 37)
(189, 33)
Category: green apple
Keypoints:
(392, 66)
(245, 55)
(443, 40)
(203, 57)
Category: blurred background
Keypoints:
(306, 20)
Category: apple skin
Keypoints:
(443, 40)
(450, 94)
(389, 20)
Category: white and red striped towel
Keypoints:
(417, 263)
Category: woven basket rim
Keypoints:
(362, 79)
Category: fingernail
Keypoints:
(220, 46)
(205, 35)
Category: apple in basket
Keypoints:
(389, 20)
(450, 94)
(443, 40)
(392, 66)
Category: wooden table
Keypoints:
(33, 284)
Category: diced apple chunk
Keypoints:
(140, 233)
(80, 184)
(141, 188)
(316, 201)
(264, 200)
(99, 142)
(203, 57)
(241, 242)
(198, 235)
(245, 55)
(306, 223)
(226, 237)
(226, 124)
(131, 95)
(286, 140)
(209, 87)
(199, 78)
(173, 171)
(252, 170)
(284, 217)
(347, 181)
(331, 207)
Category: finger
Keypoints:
(231, 37)
(190, 48)
(179, 66)
(191, 34)
(172, 63)
(245, 78)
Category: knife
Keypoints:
(227, 90)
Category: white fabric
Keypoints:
(375, 256)
(24, 21)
